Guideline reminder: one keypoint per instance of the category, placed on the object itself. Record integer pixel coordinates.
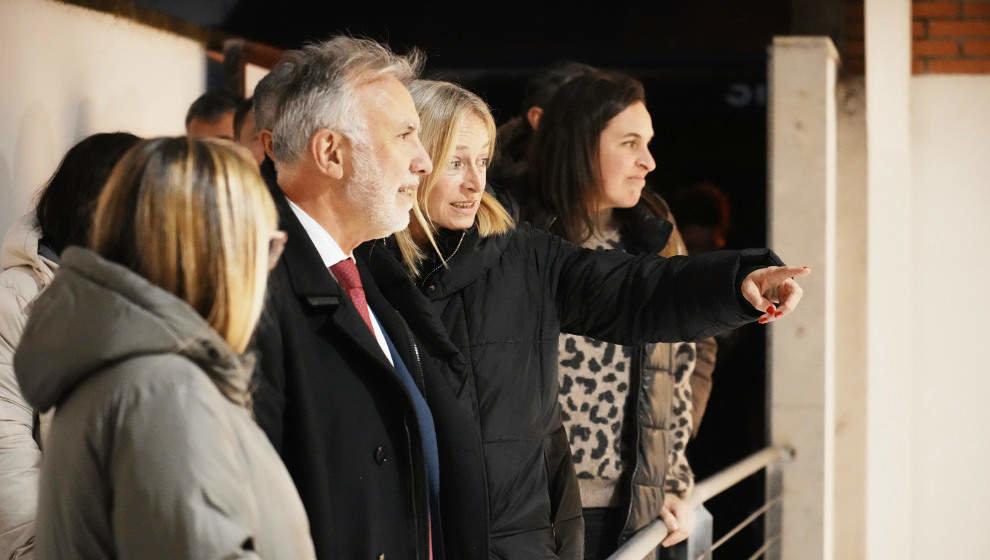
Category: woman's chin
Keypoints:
(458, 223)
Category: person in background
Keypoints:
(705, 216)
(212, 115)
(244, 130)
(502, 295)
(30, 257)
(267, 99)
(704, 221)
(515, 135)
(341, 385)
(139, 339)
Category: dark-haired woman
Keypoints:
(489, 301)
(627, 408)
(30, 258)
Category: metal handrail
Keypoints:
(766, 546)
(648, 538)
(742, 525)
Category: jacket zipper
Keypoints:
(421, 380)
(415, 485)
(418, 369)
(637, 370)
(443, 261)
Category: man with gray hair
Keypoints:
(337, 395)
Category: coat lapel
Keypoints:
(313, 283)
(415, 309)
(387, 316)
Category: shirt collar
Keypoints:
(329, 250)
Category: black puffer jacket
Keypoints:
(504, 301)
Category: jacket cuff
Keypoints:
(751, 260)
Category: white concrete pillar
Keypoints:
(889, 278)
(802, 198)
(850, 335)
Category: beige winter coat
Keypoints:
(147, 458)
(25, 274)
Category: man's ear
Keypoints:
(533, 116)
(265, 136)
(328, 151)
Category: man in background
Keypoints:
(244, 130)
(212, 115)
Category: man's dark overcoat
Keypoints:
(336, 410)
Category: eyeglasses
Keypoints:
(276, 244)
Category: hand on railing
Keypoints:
(678, 516)
(646, 539)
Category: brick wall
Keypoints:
(948, 37)
(951, 37)
(853, 45)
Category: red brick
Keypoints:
(944, 47)
(853, 66)
(935, 9)
(959, 66)
(918, 66)
(977, 10)
(918, 29)
(958, 28)
(976, 48)
(854, 11)
(854, 30)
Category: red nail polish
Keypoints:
(771, 310)
(762, 320)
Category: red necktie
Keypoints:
(347, 276)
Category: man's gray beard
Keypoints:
(377, 202)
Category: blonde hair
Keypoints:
(193, 217)
(675, 243)
(442, 108)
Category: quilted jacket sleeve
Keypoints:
(20, 457)
(627, 299)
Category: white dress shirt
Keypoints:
(331, 253)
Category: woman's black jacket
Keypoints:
(490, 320)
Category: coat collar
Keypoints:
(474, 256)
(644, 228)
(312, 282)
(22, 247)
(396, 285)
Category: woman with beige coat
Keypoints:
(29, 258)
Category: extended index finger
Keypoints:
(784, 272)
